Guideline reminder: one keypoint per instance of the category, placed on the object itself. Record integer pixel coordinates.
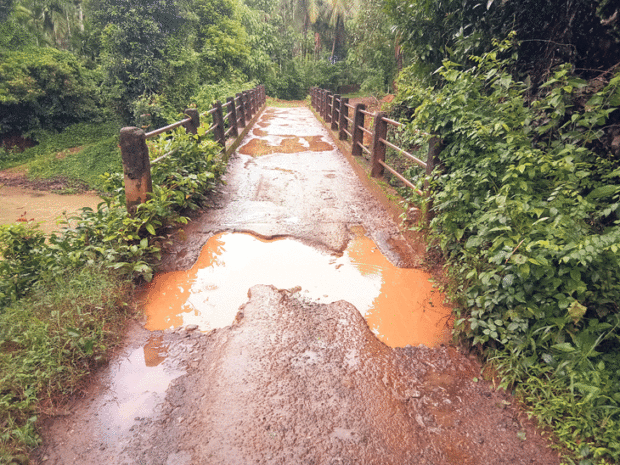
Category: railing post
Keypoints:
(323, 103)
(378, 147)
(232, 119)
(246, 105)
(343, 123)
(358, 134)
(136, 167)
(193, 125)
(328, 108)
(435, 146)
(336, 104)
(253, 101)
(241, 120)
(218, 120)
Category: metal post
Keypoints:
(232, 119)
(378, 147)
(136, 167)
(358, 134)
(343, 123)
(336, 104)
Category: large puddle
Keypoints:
(19, 204)
(400, 304)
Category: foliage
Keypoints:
(53, 322)
(575, 31)
(82, 151)
(52, 339)
(527, 215)
(134, 35)
(44, 89)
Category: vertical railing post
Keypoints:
(193, 125)
(253, 101)
(328, 108)
(343, 123)
(136, 167)
(218, 120)
(241, 120)
(336, 112)
(232, 119)
(324, 105)
(433, 162)
(246, 104)
(358, 134)
(378, 147)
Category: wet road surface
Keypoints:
(294, 378)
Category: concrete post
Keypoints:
(232, 119)
(336, 112)
(241, 121)
(378, 147)
(343, 123)
(433, 165)
(193, 125)
(328, 107)
(136, 167)
(358, 134)
(218, 120)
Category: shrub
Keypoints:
(44, 88)
(526, 212)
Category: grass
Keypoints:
(49, 342)
(82, 152)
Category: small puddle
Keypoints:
(139, 384)
(285, 144)
(25, 205)
(400, 304)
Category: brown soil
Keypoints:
(16, 178)
(15, 142)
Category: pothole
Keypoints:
(400, 305)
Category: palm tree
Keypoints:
(340, 10)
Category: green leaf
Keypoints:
(150, 229)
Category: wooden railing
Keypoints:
(135, 153)
(336, 110)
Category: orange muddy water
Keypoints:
(400, 305)
(44, 208)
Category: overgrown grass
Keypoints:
(49, 341)
(81, 152)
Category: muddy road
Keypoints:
(312, 365)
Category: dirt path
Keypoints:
(290, 380)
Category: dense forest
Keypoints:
(524, 95)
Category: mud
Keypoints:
(294, 378)
(298, 382)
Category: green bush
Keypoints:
(526, 212)
(44, 88)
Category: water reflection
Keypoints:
(400, 305)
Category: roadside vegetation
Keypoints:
(64, 297)
(523, 93)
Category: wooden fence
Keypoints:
(336, 111)
(135, 153)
